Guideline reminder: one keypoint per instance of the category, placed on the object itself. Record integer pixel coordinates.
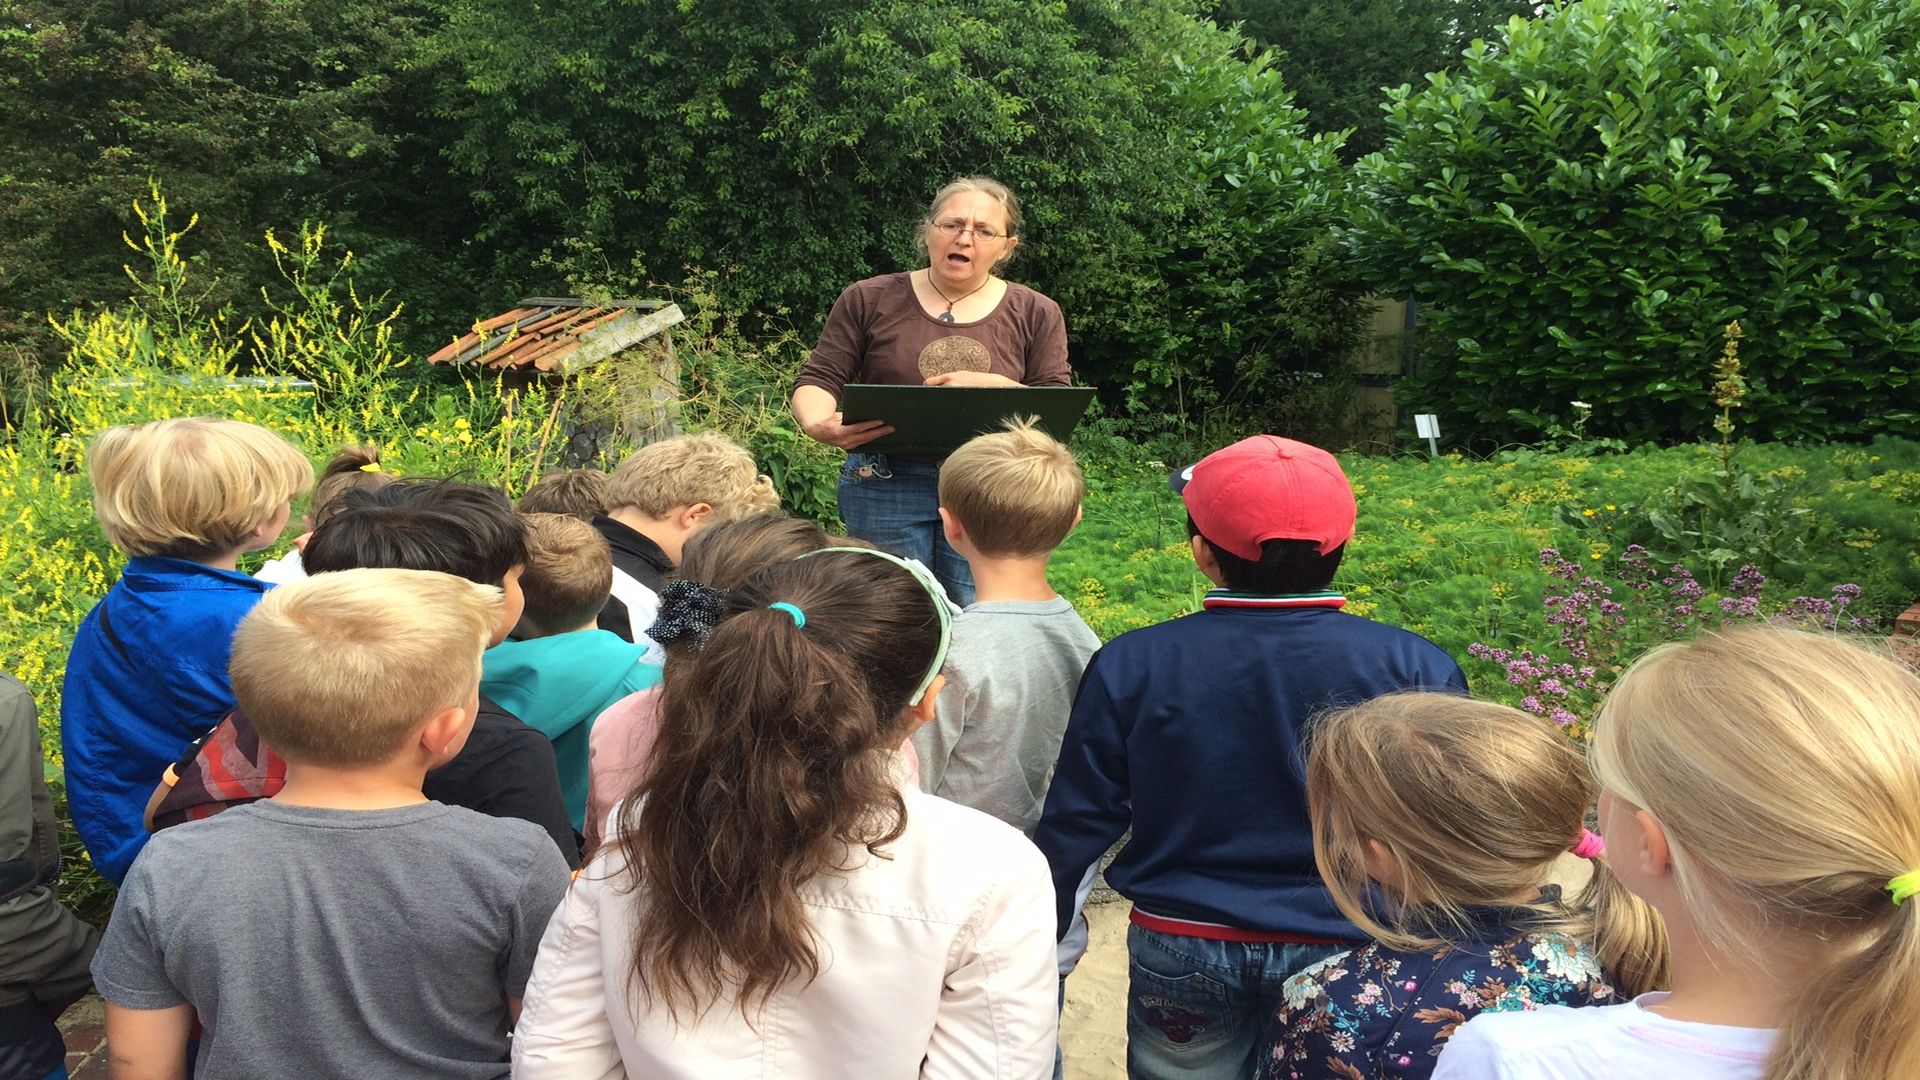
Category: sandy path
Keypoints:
(1093, 1030)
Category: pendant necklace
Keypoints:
(947, 315)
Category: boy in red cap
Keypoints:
(1188, 733)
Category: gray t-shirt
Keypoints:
(1011, 676)
(336, 943)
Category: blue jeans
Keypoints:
(894, 504)
(1199, 1009)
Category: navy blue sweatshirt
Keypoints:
(1189, 733)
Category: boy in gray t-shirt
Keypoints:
(1007, 500)
(347, 926)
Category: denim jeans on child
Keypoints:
(894, 503)
(1198, 1009)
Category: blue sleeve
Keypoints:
(1090, 804)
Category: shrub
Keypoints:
(1253, 304)
(1595, 195)
(1175, 206)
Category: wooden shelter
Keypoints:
(552, 340)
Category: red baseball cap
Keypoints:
(1268, 488)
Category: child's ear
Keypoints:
(444, 734)
(951, 528)
(1654, 853)
(694, 515)
(1205, 562)
(922, 714)
(1079, 514)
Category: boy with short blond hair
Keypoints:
(1007, 500)
(560, 671)
(661, 494)
(184, 499)
(580, 493)
(347, 926)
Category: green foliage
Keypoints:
(1255, 302)
(321, 369)
(1341, 55)
(256, 115)
(1174, 205)
(792, 145)
(1596, 194)
(1449, 547)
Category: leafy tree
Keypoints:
(1339, 56)
(254, 115)
(790, 145)
(1256, 302)
(1593, 198)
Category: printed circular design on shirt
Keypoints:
(953, 353)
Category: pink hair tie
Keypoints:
(1589, 845)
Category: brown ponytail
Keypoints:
(354, 468)
(774, 766)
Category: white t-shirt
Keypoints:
(1602, 1043)
(284, 570)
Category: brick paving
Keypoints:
(85, 1028)
(1906, 635)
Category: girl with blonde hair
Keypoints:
(1439, 823)
(1762, 791)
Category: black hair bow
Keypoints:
(689, 612)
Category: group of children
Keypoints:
(823, 823)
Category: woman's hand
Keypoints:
(814, 410)
(971, 378)
(834, 431)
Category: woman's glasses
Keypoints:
(980, 233)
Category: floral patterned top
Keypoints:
(1378, 1014)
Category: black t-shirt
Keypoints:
(507, 770)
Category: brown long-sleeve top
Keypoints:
(879, 333)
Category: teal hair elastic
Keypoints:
(941, 604)
(799, 617)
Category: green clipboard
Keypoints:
(932, 421)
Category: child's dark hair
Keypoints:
(1285, 566)
(421, 524)
(772, 766)
(579, 493)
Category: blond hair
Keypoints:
(342, 669)
(580, 493)
(688, 469)
(985, 185)
(1017, 492)
(1784, 768)
(193, 487)
(569, 572)
(1475, 802)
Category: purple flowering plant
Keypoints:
(1603, 624)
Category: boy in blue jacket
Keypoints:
(184, 498)
(1189, 732)
(560, 671)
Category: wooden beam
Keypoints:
(620, 334)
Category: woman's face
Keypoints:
(963, 262)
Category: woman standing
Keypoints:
(949, 323)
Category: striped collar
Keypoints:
(1222, 598)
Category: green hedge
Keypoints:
(1598, 192)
